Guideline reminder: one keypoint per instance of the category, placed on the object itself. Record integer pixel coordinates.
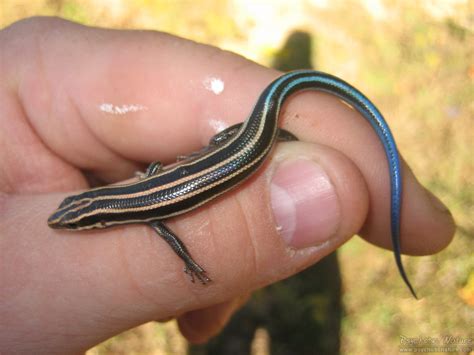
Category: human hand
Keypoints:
(64, 291)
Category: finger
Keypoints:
(201, 325)
(125, 276)
(67, 92)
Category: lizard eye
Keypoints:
(72, 225)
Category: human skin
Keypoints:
(66, 291)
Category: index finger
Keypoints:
(141, 96)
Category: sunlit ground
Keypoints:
(416, 62)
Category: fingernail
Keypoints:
(304, 202)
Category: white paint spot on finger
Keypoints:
(214, 84)
(121, 109)
(217, 125)
(210, 127)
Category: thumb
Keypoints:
(309, 201)
(303, 205)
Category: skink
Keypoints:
(232, 156)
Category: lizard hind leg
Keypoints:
(190, 266)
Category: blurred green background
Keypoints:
(415, 60)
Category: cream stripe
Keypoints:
(179, 199)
